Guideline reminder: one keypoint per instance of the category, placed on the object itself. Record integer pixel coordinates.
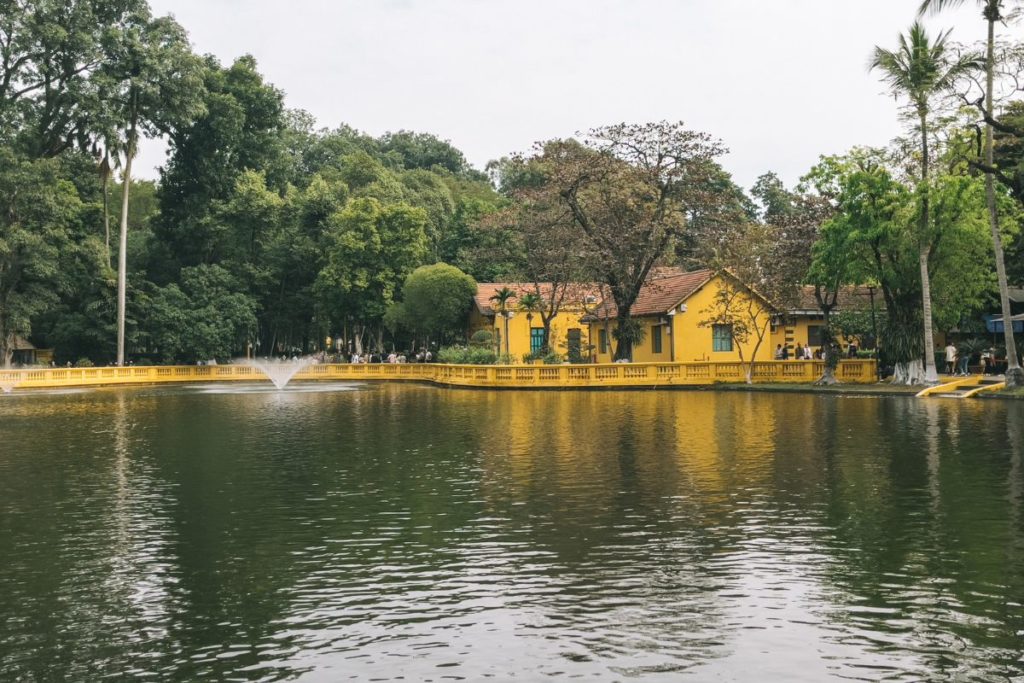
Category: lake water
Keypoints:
(344, 532)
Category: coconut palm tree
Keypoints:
(531, 303)
(919, 70)
(502, 297)
(993, 12)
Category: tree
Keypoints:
(542, 240)
(530, 303)
(436, 300)
(746, 313)
(39, 255)
(151, 83)
(207, 317)
(501, 298)
(992, 11)
(241, 129)
(775, 200)
(370, 249)
(919, 70)
(629, 190)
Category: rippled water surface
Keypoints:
(344, 532)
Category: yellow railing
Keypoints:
(508, 376)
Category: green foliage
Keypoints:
(482, 339)
(553, 358)
(371, 249)
(436, 299)
(206, 317)
(44, 251)
(461, 355)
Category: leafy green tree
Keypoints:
(240, 129)
(206, 317)
(40, 212)
(50, 52)
(776, 201)
(994, 13)
(370, 249)
(150, 83)
(920, 70)
(436, 300)
(422, 150)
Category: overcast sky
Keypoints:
(779, 81)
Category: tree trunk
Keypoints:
(507, 347)
(6, 346)
(830, 351)
(122, 248)
(1014, 374)
(358, 331)
(106, 209)
(624, 340)
(909, 373)
(930, 375)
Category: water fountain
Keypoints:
(280, 372)
(8, 380)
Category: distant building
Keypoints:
(803, 323)
(675, 311)
(525, 328)
(25, 353)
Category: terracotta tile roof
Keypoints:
(851, 298)
(659, 294)
(485, 290)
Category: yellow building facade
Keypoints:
(518, 332)
(678, 314)
(804, 324)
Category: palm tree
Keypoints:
(992, 11)
(531, 303)
(919, 70)
(502, 297)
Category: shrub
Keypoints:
(553, 358)
(83, 363)
(461, 355)
(482, 338)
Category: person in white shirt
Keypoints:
(950, 358)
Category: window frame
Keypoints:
(721, 336)
(536, 339)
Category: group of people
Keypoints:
(799, 353)
(424, 356)
(958, 361)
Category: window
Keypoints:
(602, 341)
(656, 339)
(721, 337)
(814, 335)
(536, 339)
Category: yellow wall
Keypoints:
(519, 331)
(795, 331)
(689, 339)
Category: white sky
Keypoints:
(779, 81)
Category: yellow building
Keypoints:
(684, 319)
(519, 332)
(804, 323)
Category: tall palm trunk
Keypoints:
(924, 250)
(105, 171)
(122, 248)
(507, 351)
(1014, 374)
